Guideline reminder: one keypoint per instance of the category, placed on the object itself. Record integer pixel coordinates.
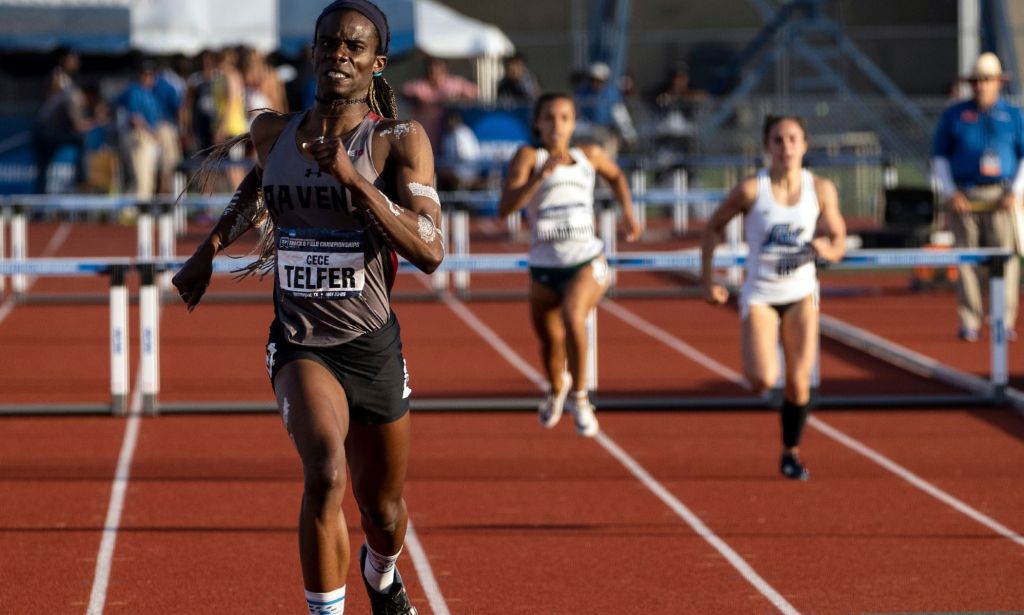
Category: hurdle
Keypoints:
(117, 269)
(978, 390)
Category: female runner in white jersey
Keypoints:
(791, 219)
(568, 272)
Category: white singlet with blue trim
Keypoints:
(780, 264)
(561, 214)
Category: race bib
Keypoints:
(320, 263)
(565, 222)
(781, 262)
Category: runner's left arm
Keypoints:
(411, 225)
(832, 245)
(606, 168)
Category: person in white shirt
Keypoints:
(791, 219)
(568, 271)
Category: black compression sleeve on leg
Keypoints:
(794, 418)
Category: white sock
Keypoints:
(330, 603)
(379, 570)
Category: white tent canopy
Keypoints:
(426, 25)
(152, 26)
(189, 26)
(445, 33)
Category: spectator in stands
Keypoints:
(232, 119)
(676, 103)
(978, 165)
(199, 111)
(677, 92)
(61, 121)
(102, 160)
(431, 93)
(603, 118)
(591, 86)
(263, 88)
(517, 87)
(458, 166)
(139, 114)
(169, 91)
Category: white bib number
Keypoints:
(320, 263)
(565, 222)
(779, 263)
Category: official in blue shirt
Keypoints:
(977, 163)
(139, 115)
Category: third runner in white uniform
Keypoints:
(567, 267)
(791, 219)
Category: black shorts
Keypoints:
(557, 278)
(370, 368)
(782, 308)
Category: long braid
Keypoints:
(381, 95)
(382, 98)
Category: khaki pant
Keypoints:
(985, 229)
(170, 153)
(143, 152)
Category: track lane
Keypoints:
(955, 527)
(519, 520)
(213, 499)
(54, 484)
(853, 539)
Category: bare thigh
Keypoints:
(314, 409)
(378, 458)
(760, 341)
(800, 345)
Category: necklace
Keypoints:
(340, 102)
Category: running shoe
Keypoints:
(550, 410)
(791, 467)
(583, 414)
(967, 335)
(394, 602)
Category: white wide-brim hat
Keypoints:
(987, 66)
(600, 71)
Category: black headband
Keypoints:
(368, 10)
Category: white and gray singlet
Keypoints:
(561, 214)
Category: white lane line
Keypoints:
(495, 341)
(119, 487)
(674, 343)
(891, 466)
(425, 573)
(56, 241)
(916, 480)
(644, 477)
(696, 524)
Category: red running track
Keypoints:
(512, 518)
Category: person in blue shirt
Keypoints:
(977, 164)
(138, 115)
(168, 89)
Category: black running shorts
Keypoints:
(370, 368)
